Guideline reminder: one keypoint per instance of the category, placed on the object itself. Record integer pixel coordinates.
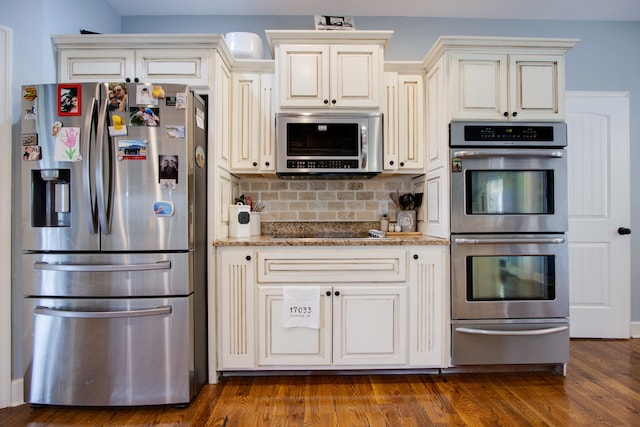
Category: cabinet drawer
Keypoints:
(343, 265)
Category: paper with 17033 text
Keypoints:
(301, 307)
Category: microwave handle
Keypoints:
(364, 143)
(510, 153)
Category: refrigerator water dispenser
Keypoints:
(50, 198)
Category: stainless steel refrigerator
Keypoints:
(114, 244)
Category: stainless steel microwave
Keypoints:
(328, 144)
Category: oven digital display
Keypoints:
(508, 133)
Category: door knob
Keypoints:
(624, 230)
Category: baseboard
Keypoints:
(17, 392)
(635, 329)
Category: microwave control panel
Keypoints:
(322, 164)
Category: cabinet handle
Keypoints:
(415, 256)
(326, 101)
(506, 114)
(328, 293)
(248, 257)
(255, 163)
(515, 113)
(337, 293)
(624, 230)
(333, 101)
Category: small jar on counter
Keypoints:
(392, 227)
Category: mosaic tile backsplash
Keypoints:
(325, 199)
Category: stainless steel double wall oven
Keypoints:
(509, 250)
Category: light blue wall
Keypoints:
(32, 22)
(606, 59)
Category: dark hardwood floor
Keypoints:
(602, 388)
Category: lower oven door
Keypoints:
(108, 352)
(509, 276)
(536, 341)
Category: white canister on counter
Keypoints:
(255, 223)
(239, 221)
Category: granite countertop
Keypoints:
(325, 234)
(329, 241)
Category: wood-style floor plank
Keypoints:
(602, 388)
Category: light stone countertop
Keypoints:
(329, 241)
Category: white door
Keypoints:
(599, 205)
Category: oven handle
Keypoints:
(545, 331)
(510, 153)
(160, 265)
(466, 241)
(47, 311)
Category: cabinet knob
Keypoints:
(128, 80)
(326, 101)
(333, 101)
(136, 80)
(415, 256)
(248, 257)
(255, 164)
(401, 164)
(266, 163)
(337, 293)
(391, 162)
(515, 114)
(328, 293)
(624, 230)
(506, 114)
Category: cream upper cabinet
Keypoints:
(177, 58)
(404, 130)
(253, 123)
(323, 70)
(507, 86)
(329, 76)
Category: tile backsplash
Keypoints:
(325, 199)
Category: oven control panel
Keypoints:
(476, 134)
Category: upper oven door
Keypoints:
(508, 190)
(509, 276)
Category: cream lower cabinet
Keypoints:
(380, 307)
(360, 325)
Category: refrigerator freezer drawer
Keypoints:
(113, 352)
(509, 343)
(107, 275)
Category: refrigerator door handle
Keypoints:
(160, 265)
(47, 311)
(105, 224)
(87, 169)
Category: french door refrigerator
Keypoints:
(113, 190)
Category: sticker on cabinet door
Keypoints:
(161, 208)
(132, 149)
(68, 145)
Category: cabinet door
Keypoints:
(267, 125)
(390, 127)
(85, 65)
(356, 73)
(292, 346)
(537, 87)
(245, 123)
(236, 288)
(438, 116)
(222, 118)
(187, 66)
(304, 76)
(370, 325)
(411, 139)
(479, 86)
(428, 316)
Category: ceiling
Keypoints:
(598, 10)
